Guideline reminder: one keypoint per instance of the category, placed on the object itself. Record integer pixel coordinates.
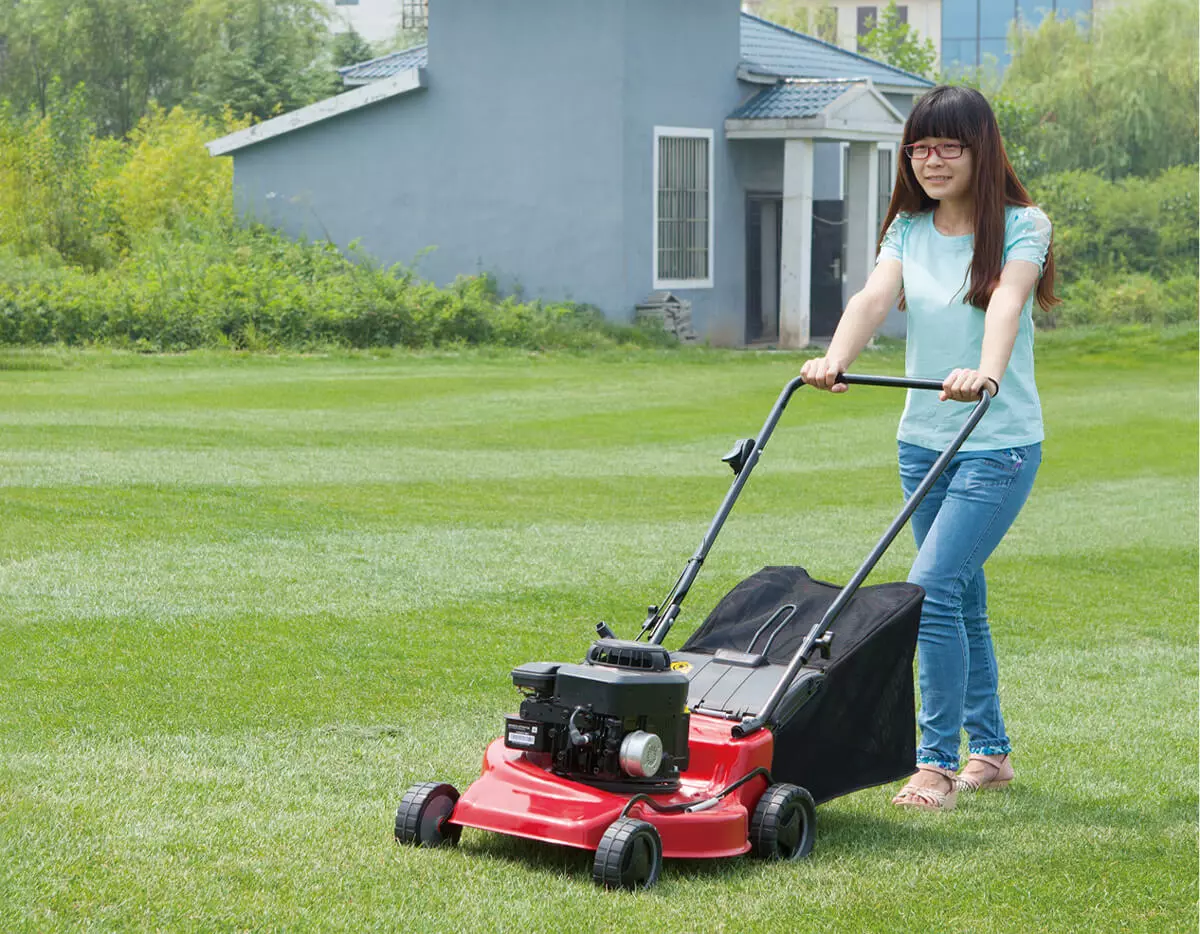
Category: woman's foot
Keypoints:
(985, 772)
(932, 788)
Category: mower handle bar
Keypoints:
(660, 621)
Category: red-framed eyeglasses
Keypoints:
(920, 151)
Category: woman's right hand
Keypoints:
(822, 373)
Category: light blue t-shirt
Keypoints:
(944, 333)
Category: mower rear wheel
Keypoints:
(629, 855)
(784, 823)
(421, 817)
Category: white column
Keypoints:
(795, 250)
(862, 210)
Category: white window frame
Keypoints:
(681, 284)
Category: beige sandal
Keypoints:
(929, 799)
(985, 772)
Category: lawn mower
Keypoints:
(791, 692)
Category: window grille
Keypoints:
(414, 14)
(683, 189)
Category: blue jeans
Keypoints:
(957, 526)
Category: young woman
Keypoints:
(966, 252)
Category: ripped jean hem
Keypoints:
(990, 749)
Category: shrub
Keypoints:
(1141, 225)
(1128, 299)
(252, 288)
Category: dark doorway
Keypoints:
(764, 231)
(829, 231)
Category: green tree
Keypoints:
(1121, 98)
(349, 48)
(125, 52)
(898, 44)
(258, 57)
(808, 18)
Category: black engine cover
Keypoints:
(600, 704)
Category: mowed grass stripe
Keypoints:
(225, 654)
(360, 570)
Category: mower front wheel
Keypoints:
(421, 817)
(784, 823)
(629, 855)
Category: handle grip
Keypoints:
(900, 382)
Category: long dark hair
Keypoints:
(964, 114)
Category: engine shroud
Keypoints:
(574, 718)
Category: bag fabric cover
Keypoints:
(859, 729)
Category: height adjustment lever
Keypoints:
(737, 457)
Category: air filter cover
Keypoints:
(625, 653)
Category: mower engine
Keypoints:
(620, 718)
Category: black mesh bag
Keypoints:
(858, 730)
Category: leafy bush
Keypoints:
(1126, 251)
(1101, 228)
(1128, 299)
(254, 289)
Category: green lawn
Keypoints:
(246, 601)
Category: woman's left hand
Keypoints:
(964, 385)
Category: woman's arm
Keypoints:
(864, 313)
(1000, 324)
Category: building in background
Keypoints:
(966, 33)
(975, 32)
(378, 21)
(615, 153)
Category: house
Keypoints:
(602, 153)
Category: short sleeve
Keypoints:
(1028, 236)
(892, 246)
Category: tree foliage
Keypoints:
(812, 20)
(258, 57)
(255, 56)
(895, 42)
(1121, 99)
(349, 48)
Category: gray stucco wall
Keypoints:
(680, 71)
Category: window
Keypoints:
(865, 22)
(960, 19)
(995, 18)
(994, 49)
(1032, 12)
(414, 14)
(1068, 8)
(957, 52)
(683, 201)
(902, 14)
(345, 2)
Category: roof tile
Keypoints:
(793, 99)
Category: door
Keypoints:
(829, 231)
(764, 229)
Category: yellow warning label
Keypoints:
(681, 666)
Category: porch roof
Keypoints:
(842, 109)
